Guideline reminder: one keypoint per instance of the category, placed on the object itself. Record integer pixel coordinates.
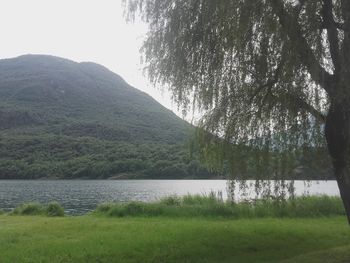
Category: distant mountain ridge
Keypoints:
(86, 98)
(105, 127)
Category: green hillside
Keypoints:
(62, 119)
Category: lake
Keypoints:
(82, 196)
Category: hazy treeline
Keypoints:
(52, 156)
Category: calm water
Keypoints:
(81, 196)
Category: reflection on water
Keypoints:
(81, 196)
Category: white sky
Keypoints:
(80, 30)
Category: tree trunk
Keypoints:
(342, 175)
(338, 140)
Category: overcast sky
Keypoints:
(80, 30)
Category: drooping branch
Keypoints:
(269, 84)
(276, 75)
(293, 99)
(300, 6)
(345, 50)
(332, 33)
(294, 103)
(291, 26)
(306, 106)
(339, 25)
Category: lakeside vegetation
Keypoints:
(211, 205)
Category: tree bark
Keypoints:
(338, 140)
(342, 175)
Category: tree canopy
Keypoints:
(270, 73)
(257, 68)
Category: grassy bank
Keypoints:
(211, 205)
(163, 239)
(174, 229)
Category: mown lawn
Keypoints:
(95, 238)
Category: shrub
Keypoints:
(54, 209)
(134, 208)
(103, 208)
(117, 210)
(171, 200)
(28, 209)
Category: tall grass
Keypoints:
(212, 206)
(52, 209)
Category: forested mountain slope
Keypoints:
(62, 119)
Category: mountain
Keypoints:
(63, 119)
(50, 94)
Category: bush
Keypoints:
(171, 200)
(127, 209)
(28, 209)
(103, 208)
(117, 210)
(54, 209)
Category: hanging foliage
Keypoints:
(271, 77)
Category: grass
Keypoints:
(163, 239)
(212, 206)
(187, 229)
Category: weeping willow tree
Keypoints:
(270, 74)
